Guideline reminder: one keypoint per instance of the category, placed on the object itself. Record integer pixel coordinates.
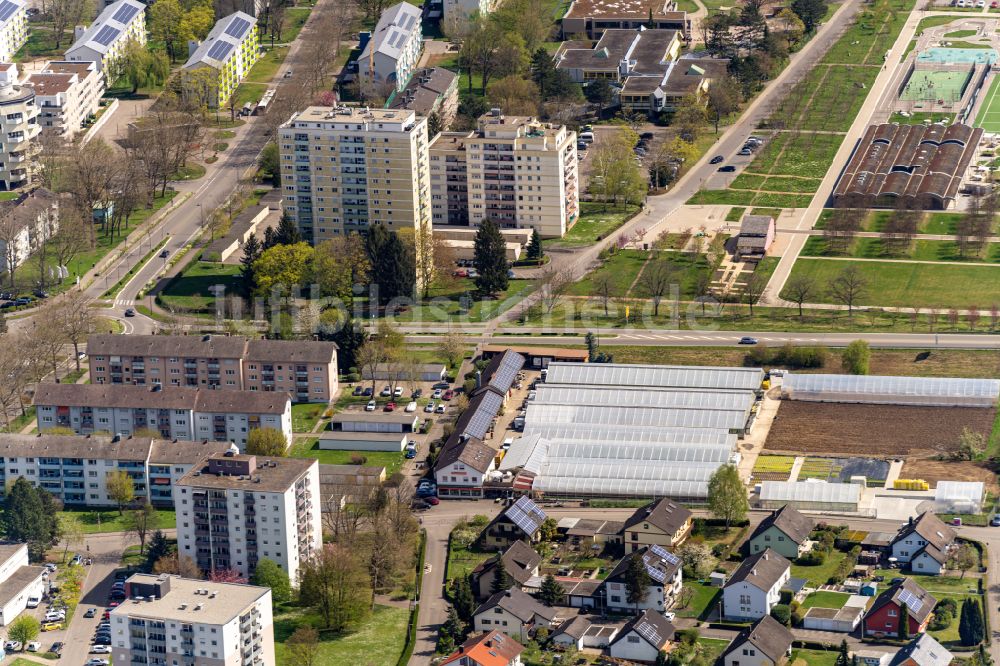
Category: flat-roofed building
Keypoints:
(105, 40)
(68, 94)
(684, 77)
(234, 510)
(591, 18)
(173, 412)
(19, 129)
(228, 53)
(167, 619)
(620, 53)
(919, 166)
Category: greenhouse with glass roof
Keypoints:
(887, 390)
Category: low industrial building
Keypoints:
(964, 497)
(590, 18)
(917, 166)
(810, 496)
(537, 358)
(362, 441)
(18, 581)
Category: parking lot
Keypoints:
(721, 180)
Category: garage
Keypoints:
(362, 441)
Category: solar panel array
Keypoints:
(410, 20)
(106, 35)
(506, 373)
(238, 28)
(482, 418)
(220, 50)
(664, 554)
(912, 601)
(7, 9)
(649, 632)
(125, 14)
(655, 573)
(526, 515)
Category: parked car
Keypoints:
(995, 520)
(429, 407)
(24, 300)
(411, 406)
(448, 395)
(510, 273)
(587, 136)
(416, 394)
(389, 407)
(461, 272)
(386, 391)
(51, 626)
(473, 273)
(437, 394)
(41, 293)
(358, 390)
(91, 612)
(440, 408)
(34, 601)
(441, 385)
(398, 392)
(57, 647)
(164, 254)
(370, 407)
(12, 646)
(97, 662)
(581, 145)
(410, 454)
(745, 151)
(729, 168)
(717, 159)
(747, 340)
(100, 649)
(368, 392)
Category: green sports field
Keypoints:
(989, 111)
(930, 85)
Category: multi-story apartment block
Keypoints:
(74, 469)
(234, 510)
(31, 219)
(18, 129)
(105, 40)
(229, 51)
(19, 581)
(67, 95)
(174, 413)
(305, 369)
(172, 620)
(518, 171)
(13, 28)
(344, 169)
(456, 13)
(393, 48)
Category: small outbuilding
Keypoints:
(843, 620)
(571, 632)
(399, 421)
(362, 441)
(755, 237)
(810, 496)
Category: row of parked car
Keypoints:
(749, 148)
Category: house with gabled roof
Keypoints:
(105, 40)
(922, 651)
(923, 543)
(755, 587)
(522, 520)
(643, 638)
(490, 649)
(665, 581)
(462, 466)
(786, 531)
(882, 618)
(766, 642)
(393, 48)
(513, 612)
(662, 522)
(520, 561)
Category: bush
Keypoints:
(782, 614)
(687, 636)
(947, 606)
(941, 620)
(813, 558)
(357, 459)
(785, 597)
(469, 385)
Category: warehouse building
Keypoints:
(810, 496)
(888, 390)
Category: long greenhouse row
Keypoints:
(888, 390)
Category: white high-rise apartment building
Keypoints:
(169, 620)
(67, 95)
(234, 510)
(18, 129)
(344, 169)
(518, 172)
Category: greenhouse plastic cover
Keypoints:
(640, 487)
(635, 434)
(643, 397)
(635, 416)
(966, 491)
(569, 451)
(621, 469)
(619, 375)
(892, 390)
(806, 491)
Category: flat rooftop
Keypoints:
(270, 475)
(621, 9)
(181, 603)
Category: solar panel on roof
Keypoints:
(125, 13)
(654, 573)
(523, 520)
(482, 418)
(7, 9)
(106, 35)
(664, 554)
(510, 365)
(410, 20)
(220, 50)
(911, 600)
(648, 631)
(238, 28)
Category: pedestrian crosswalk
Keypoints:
(124, 302)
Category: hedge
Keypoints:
(411, 627)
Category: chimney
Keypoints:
(78, 32)
(766, 556)
(192, 46)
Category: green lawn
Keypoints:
(705, 596)
(95, 521)
(596, 222)
(305, 415)
(622, 267)
(378, 640)
(825, 599)
(295, 18)
(191, 291)
(456, 299)
(901, 284)
(309, 448)
(712, 649)
(813, 657)
(819, 574)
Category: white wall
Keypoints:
(634, 648)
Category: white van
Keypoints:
(412, 406)
(34, 601)
(587, 137)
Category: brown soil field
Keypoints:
(932, 471)
(884, 431)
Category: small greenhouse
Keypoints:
(810, 496)
(959, 497)
(888, 390)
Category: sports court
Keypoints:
(989, 111)
(955, 56)
(927, 85)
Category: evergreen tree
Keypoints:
(971, 628)
(158, 547)
(465, 602)
(287, 233)
(396, 269)
(251, 253)
(636, 581)
(843, 657)
(904, 622)
(551, 591)
(501, 581)
(453, 627)
(434, 124)
(490, 259)
(270, 240)
(349, 338)
(534, 249)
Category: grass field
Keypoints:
(191, 291)
(825, 600)
(989, 112)
(96, 522)
(305, 415)
(596, 222)
(819, 574)
(378, 640)
(813, 658)
(902, 284)
(455, 298)
(309, 448)
(702, 600)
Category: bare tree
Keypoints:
(90, 175)
(799, 288)
(73, 318)
(849, 287)
(657, 276)
(754, 289)
(605, 289)
(14, 237)
(66, 14)
(554, 285)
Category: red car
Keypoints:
(114, 604)
(448, 395)
(461, 272)
(389, 406)
(433, 501)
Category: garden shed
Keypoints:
(810, 496)
(959, 497)
(888, 390)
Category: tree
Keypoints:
(553, 284)
(534, 249)
(697, 559)
(799, 288)
(489, 52)
(140, 67)
(637, 581)
(121, 489)
(72, 533)
(616, 177)
(431, 257)
(452, 347)
(723, 98)
(551, 591)
(251, 253)
(606, 288)
(453, 629)
(334, 583)
(266, 442)
(856, 357)
(139, 521)
(180, 565)
(282, 268)
(962, 557)
(73, 319)
(393, 267)
(656, 279)
(849, 287)
(303, 644)
(501, 581)
(340, 263)
(269, 574)
(24, 629)
(166, 24)
(599, 93)
(464, 600)
(490, 259)
(727, 498)
(903, 631)
(754, 289)
(158, 547)
(843, 655)
(689, 117)
(228, 575)
(30, 517)
(810, 11)
(66, 14)
(515, 95)
(971, 629)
